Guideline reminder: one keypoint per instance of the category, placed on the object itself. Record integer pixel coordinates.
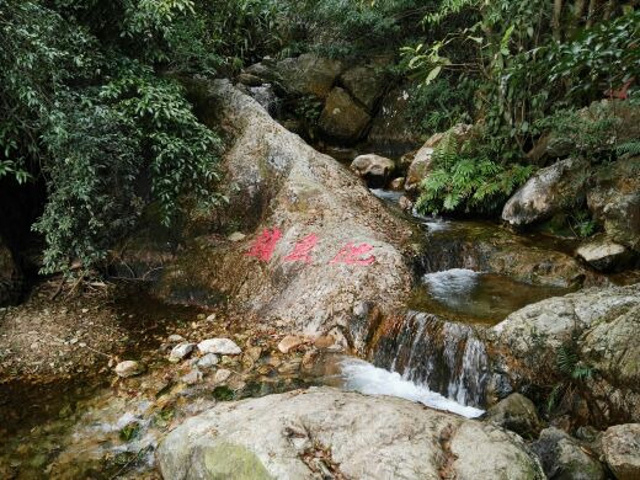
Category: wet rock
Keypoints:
(621, 445)
(219, 346)
(405, 203)
(281, 188)
(375, 169)
(308, 74)
(365, 84)
(290, 342)
(129, 368)
(342, 119)
(208, 361)
(363, 437)
(265, 96)
(563, 458)
(516, 413)
(419, 168)
(549, 191)
(604, 255)
(222, 375)
(181, 351)
(324, 342)
(614, 200)
(10, 277)
(397, 185)
(250, 80)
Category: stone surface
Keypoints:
(375, 169)
(515, 413)
(342, 119)
(551, 190)
(614, 200)
(129, 368)
(278, 184)
(290, 342)
(363, 437)
(604, 255)
(222, 375)
(181, 351)
(208, 361)
(604, 323)
(365, 84)
(237, 237)
(393, 123)
(621, 445)
(308, 74)
(192, 378)
(563, 458)
(219, 346)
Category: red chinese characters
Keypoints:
(302, 251)
(265, 244)
(352, 254)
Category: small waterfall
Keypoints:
(266, 97)
(447, 357)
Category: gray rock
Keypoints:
(604, 255)
(175, 338)
(219, 346)
(193, 377)
(549, 191)
(621, 445)
(564, 459)
(208, 361)
(250, 80)
(342, 118)
(237, 237)
(129, 368)
(516, 413)
(365, 84)
(614, 200)
(308, 74)
(373, 168)
(365, 437)
(222, 375)
(181, 351)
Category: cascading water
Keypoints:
(447, 357)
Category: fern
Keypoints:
(631, 148)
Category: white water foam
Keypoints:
(361, 376)
(451, 286)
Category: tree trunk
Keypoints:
(610, 11)
(591, 16)
(556, 20)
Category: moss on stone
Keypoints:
(226, 460)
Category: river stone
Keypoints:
(605, 322)
(515, 413)
(604, 255)
(549, 191)
(219, 346)
(129, 368)
(208, 361)
(342, 119)
(621, 445)
(614, 200)
(365, 84)
(193, 377)
(375, 169)
(365, 437)
(222, 375)
(181, 351)
(564, 459)
(290, 342)
(276, 181)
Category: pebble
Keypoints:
(219, 346)
(181, 351)
(208, 361)
(193, 377)
(222, 375)
(325, 341)
(289, 343)
(175, 339)
(129, 368)
(237, 237)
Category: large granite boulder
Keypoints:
(621, 445)
(551, 190)
(614, 200)
(515, 413)
(365, 84)
(317, 242)
(308, 75)
(342, 118)
(602, 327)
(10, 277)
(375, 169)
(326, 433)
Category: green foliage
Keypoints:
(631, 148)
(440, 105)
(468, 182)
